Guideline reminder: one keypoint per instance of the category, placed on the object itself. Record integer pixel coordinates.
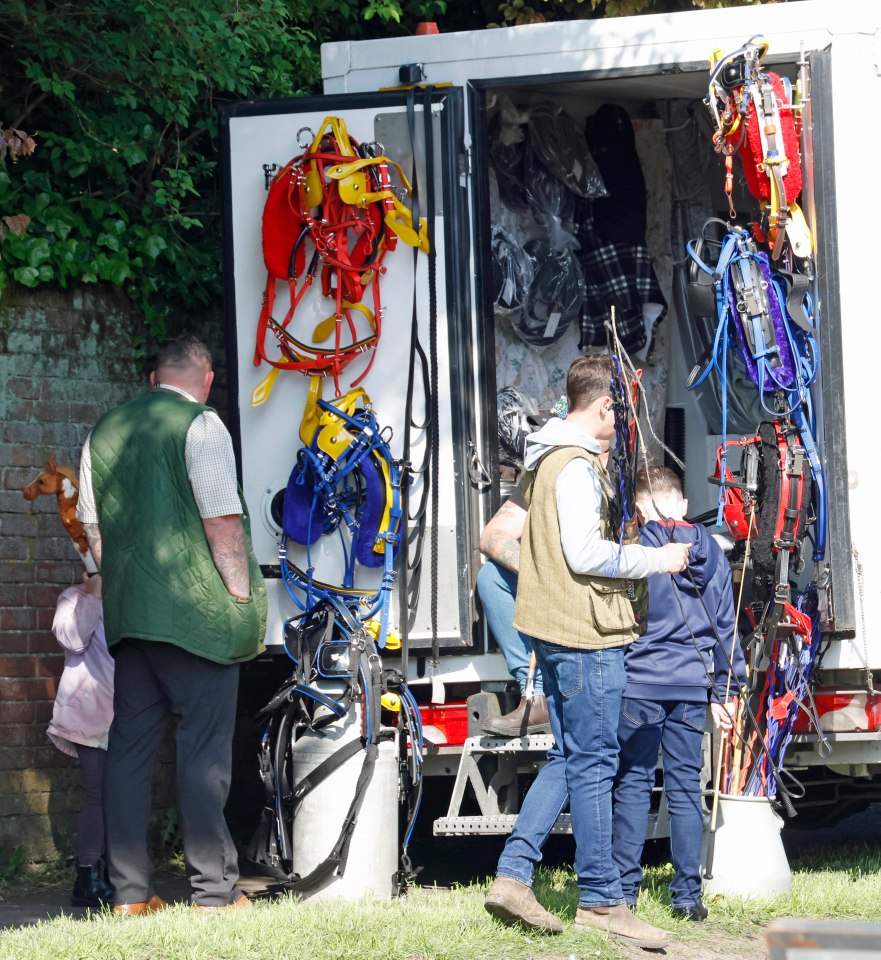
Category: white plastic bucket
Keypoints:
(373, 851)
(748, 855)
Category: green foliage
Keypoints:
(170, 843)
(18, 877)
(122, 100)
(390, 11)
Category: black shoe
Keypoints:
(696, 912)
(92, 888)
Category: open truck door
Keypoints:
(417, 373)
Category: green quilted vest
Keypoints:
(161, 581)
(553, 603)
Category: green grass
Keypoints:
(431, 924)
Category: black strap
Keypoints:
(323, 771)
(797, 285)
(335, 862)
(414, 517)
(280, 747)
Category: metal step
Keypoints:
(500, 824)
(488, 743)
(493, 782)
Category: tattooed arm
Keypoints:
(226, 540)
(500, 540)
(93, 535)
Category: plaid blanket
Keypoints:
(618, 275)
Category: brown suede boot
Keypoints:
(529, 716)
(513, 902)
(621, 923)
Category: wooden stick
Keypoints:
(737, 731)
(529, 692)
(714, 815)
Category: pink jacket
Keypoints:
(84, 702)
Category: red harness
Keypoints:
(755, 119)
(791, 472)
(349, 239)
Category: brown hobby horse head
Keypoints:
(64, 483)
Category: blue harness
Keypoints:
(769, 314)
(357, 495)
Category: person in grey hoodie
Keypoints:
(573, 598)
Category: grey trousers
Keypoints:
(152, 682)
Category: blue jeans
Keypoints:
(678, 729)
(497, 587)
(584, 690)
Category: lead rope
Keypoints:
(414, 536)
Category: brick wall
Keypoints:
(65, 358)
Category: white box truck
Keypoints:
(446, 344)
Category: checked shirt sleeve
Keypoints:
(211, 467)
(86, 509)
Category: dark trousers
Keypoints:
(677, 728)
(152, 682)
(90, 826)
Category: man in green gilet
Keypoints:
(184, 605)
(573, 599)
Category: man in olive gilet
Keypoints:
(572, 598)
(184, 605)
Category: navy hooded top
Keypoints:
(676, 656)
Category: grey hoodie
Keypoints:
(579, 498)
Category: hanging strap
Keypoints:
(335, 862)
(414, 517)
(433, 355)
(324, 770)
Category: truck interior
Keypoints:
(537, 259)
(683, 188)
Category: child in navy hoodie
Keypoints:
(677, 667)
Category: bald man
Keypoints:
(184, 605)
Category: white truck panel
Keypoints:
(855, 82)
(269, 433)
(571, 48)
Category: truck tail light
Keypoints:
(446, 723)
(842, 711)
